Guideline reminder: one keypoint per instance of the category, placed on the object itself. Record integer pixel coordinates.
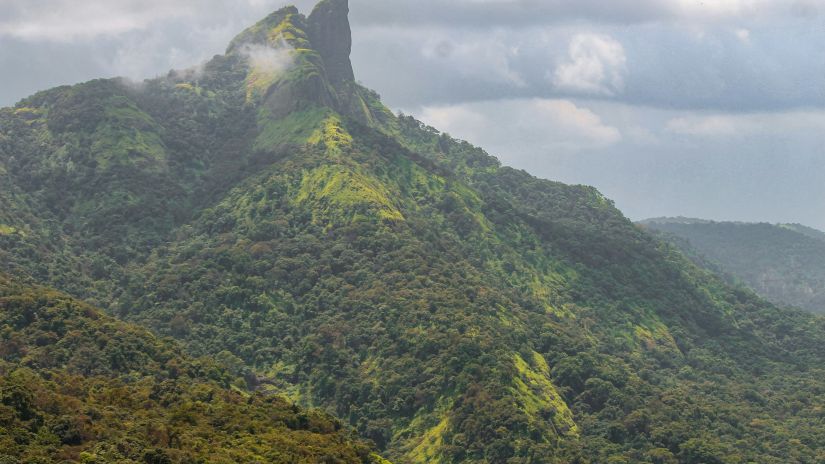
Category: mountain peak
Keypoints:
(327, 29)
(260, 32)
(295, 61)
(330, 34)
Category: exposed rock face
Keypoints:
(321, 72)
(330, 34)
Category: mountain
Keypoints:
(267, 209)
(79, 386)
(783, 263)
(805, 230)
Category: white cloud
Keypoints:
(154, 51)
(596, 65)
(66, 20)
(73, 20)
(784, 124)
(69, 20)
(267, 59)
(532, 127)
(743, 35)
(579, 124)
(462, 120)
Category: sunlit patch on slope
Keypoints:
(338, 193)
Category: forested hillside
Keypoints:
(268, 211)
(79, 386)
(783, 263)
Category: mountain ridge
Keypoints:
(448, 308)
(784, 263)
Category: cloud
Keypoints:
(267, 59)
(45, 43)
(772, 172)
(77, 20)
(486, 13)
(524, 127)
(62, 20)
(436, 52)
(743, 35)
(596, 64)
(800, 123)
(705, 103)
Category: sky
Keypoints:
(701, 108)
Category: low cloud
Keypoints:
(269, 59)
(779, 124)
(595, 65)
(525, 127)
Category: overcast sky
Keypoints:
(706, 108)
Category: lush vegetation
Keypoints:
(447, 308)
(79, 386)
(784, 263)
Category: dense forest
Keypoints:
(307, 248)
(784, 263)
(79, 386)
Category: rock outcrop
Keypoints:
(330, 34)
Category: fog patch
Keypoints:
(269, 59)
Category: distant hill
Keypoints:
(784, 263)
(805, 230)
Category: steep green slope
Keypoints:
(784, 263)
(78, 386)
(268, 208)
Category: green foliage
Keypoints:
(783, 263)
(447, 308)
(332, 189)
(78, 386)
(296, 129)
(538, 396)
(263, 30)
(126, 136)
